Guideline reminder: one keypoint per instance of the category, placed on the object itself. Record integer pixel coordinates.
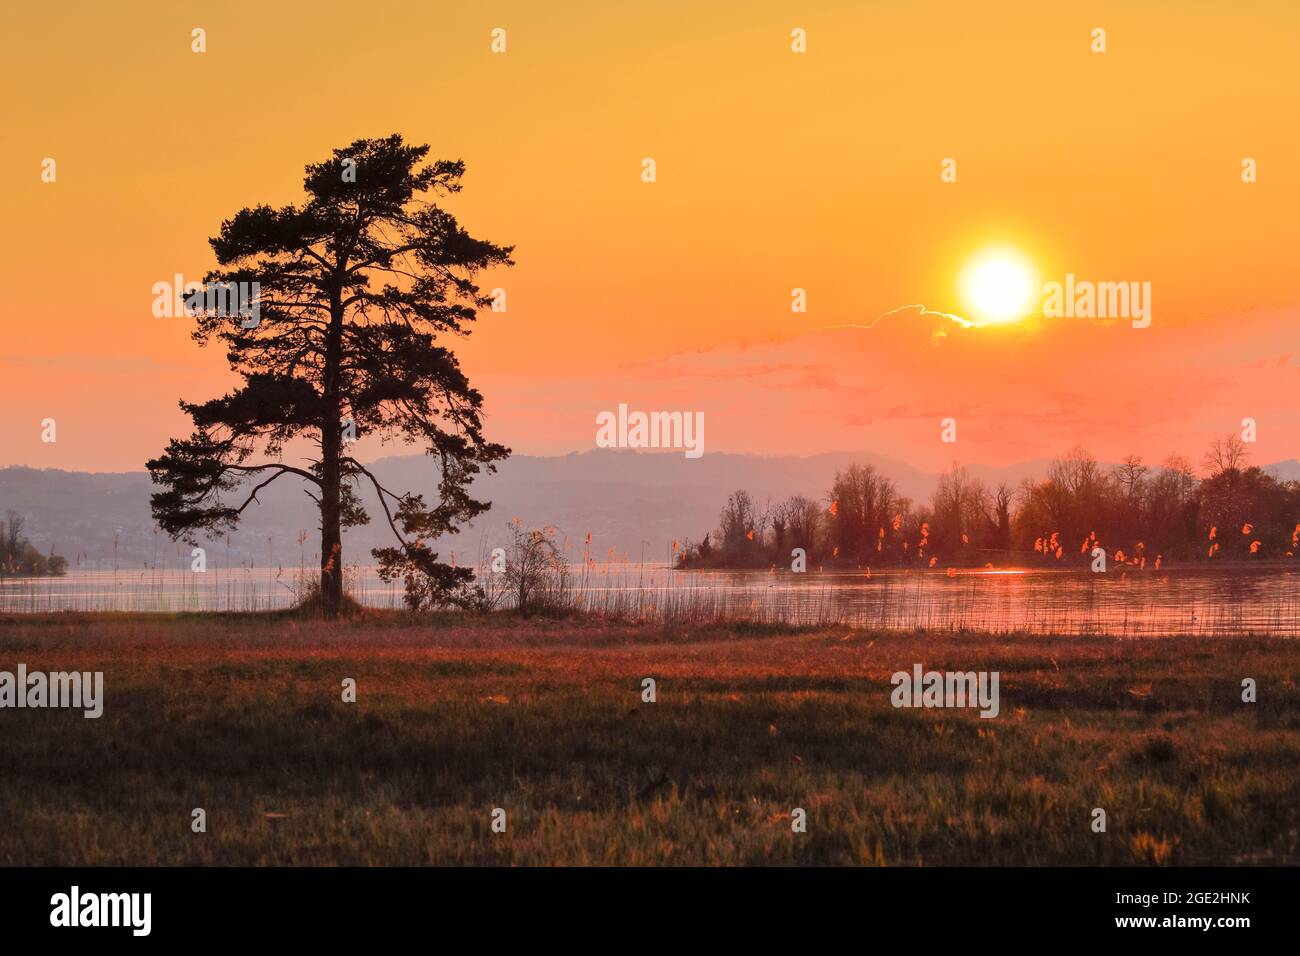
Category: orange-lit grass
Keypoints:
(241, 715)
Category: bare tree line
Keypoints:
(1141, 515)
(18, 556)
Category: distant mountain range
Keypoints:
(634, 502)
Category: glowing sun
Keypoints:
(998, 286)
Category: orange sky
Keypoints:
(775, 170)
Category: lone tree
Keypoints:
(356, 286)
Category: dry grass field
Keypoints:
(242, 715)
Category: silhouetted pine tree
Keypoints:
(359, 286)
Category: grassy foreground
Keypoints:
(242, 715)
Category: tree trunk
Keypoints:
(331, 435)
(331, 537)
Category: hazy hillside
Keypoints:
(627, 500)
(1288, 470)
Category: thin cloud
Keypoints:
(919, 308)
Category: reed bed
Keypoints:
(1127, 605)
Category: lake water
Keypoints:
(1122, 603)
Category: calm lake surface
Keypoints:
(1120, 602)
